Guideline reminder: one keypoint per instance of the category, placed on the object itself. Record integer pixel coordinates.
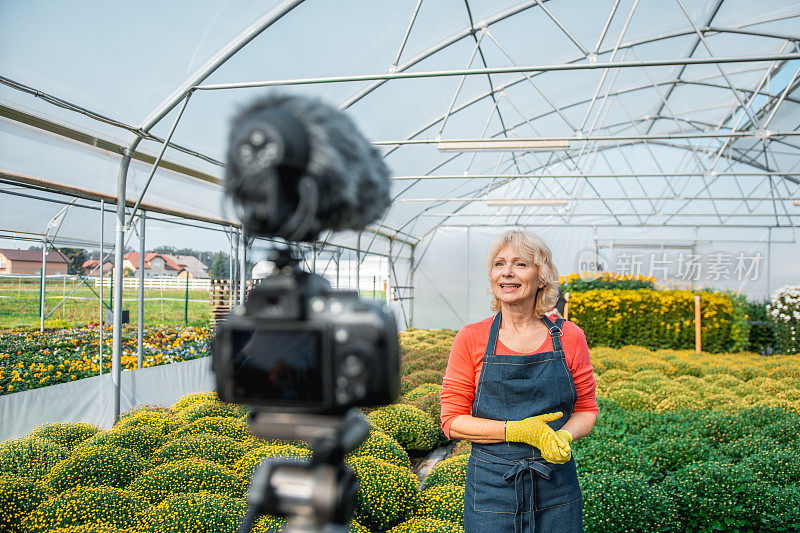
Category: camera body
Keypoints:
(298, 346)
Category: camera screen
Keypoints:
(278, 366)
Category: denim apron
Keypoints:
(510, 487)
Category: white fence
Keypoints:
(159, 283)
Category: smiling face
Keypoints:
(514, 278)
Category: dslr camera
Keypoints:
(302, 355)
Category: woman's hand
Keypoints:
(535, 431)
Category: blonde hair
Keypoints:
(533, 249)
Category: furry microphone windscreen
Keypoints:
(351, 177)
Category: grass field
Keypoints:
(19, 304)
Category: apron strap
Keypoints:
(494, 333)
(555, 331)
(516, 473)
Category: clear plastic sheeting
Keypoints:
(665, 117)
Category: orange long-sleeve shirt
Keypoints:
(466, 361)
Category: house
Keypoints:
(155, 265)
(90, 268)
(30, 262)
(196, 269)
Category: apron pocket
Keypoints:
(491, 492)
(562, 487)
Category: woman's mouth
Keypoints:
(509, 287)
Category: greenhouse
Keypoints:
(654, 147)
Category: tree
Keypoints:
(76, 258)
(218, 268)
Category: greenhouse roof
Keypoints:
(615, 113)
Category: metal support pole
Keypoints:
(358, 265)
(391, 269)
(411, 282)
(242, 267)
(338, 257)
(140, 322)
(119, 245)
(42, 282)
(230, 271)
(235, 269)
(186, 301)
(769, 261)
(102, 264)
(314, 257)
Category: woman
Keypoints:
(520, 387)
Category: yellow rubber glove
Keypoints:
(535, 431)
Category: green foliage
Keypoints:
(162, 423)
(421, 391)
(715, 496)
(90, 528)
(86, 505)
(412, 428)
(412, 380)
(193, 398)
(740, 323)
(451, 471)
(18, 498)
(245, 466)
(381, 446)
(66, 434)
(269, 524)
(30, 457)
(211, 408)
(221, 450)
(609, 281)
(427, 525)
(443, 502)
(657, 319)
(142, 439)
(95, 466)
(784, 312)
(762, 330)
(224, 426)
(194, 513)
(387, 495)
(625, 501)
(188, 475)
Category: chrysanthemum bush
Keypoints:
(201, 512)
(188, 475)
(86, 505)
(451, 471)
(66, 434)
(388, 494)
(784, 311)
(245, 466)
(427, 525)
(142, 439)
(413, 428)
(575, 282)
(95, 466)
(222, 450)
(30, 457)
(225, 426)
(655, 319)
(443, 502)
(381, 446)
(696, 470)
(211, 408)
(18, 498)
